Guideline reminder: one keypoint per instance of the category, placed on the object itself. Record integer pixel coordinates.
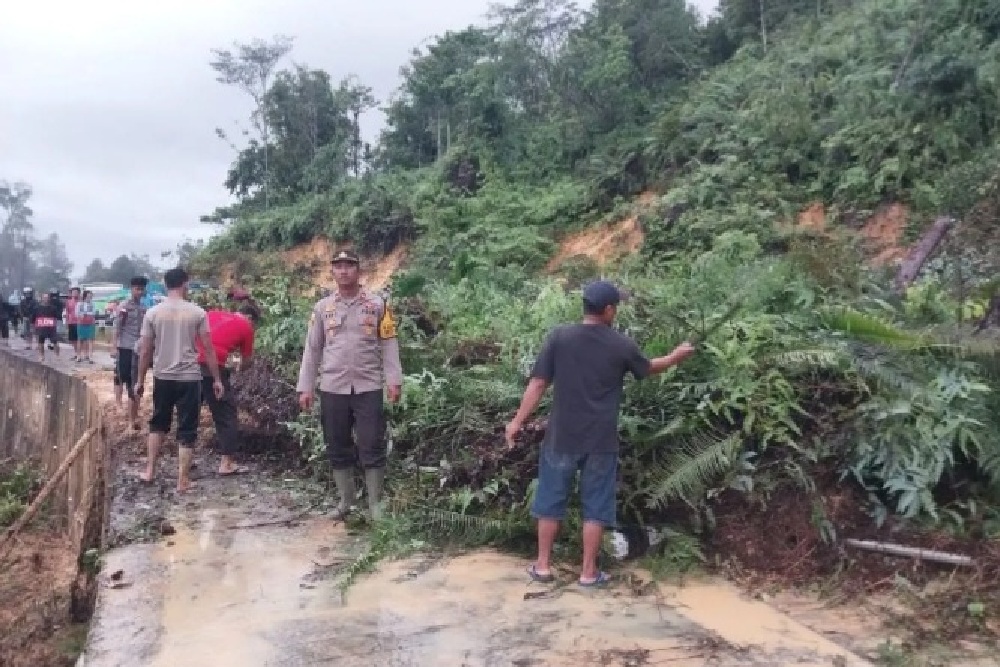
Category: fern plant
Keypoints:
(696, 463)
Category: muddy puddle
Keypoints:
(216, 593)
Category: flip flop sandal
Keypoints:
(238, 470)
(603, 579)
(540, 578)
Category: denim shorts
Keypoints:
(556, 474)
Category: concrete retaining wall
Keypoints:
(43, 413)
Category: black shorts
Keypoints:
(4, 329)
(46, 334)
(126, 369)
(71, 333)
(185, 395)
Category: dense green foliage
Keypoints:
(17, 484)
(506, 136)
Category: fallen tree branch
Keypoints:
(287, 521)
(48, 488)
(915, 260)
(910, 552)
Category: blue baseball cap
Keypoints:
(601, 294)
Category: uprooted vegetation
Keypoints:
(829, 405)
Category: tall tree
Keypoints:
(357, 98)
(307, 116)
(17, 236)
(454, 85)
(121, 270)
(53, 267)
(95, 272)
(532, 35)
(183, 253)
(250, 68)
(311, 129)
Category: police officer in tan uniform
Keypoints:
(352, 345)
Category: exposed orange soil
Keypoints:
(813, 218)
(605, 244)
(314, 253)
(314, 257)
(378, 272)
(883, 234)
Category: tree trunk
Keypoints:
(357, 143)
(992, 316)
(911, 552)
(438, 155)
(763, 26)
(921, 252)
(914, 40)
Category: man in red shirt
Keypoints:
(230, 331)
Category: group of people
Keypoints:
(187, 350)
(81, 324)
(39, 320)
(351, 361)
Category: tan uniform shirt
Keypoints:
(174, 327)
(352, 344)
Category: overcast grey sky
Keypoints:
(109, 106)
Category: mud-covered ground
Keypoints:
(36, 627)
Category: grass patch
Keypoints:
(18, 482)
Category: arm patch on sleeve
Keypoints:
(387, 325)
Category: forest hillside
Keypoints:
(767, 170)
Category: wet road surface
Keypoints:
(215, 594)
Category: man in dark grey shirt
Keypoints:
(586, 363)
(128, 329)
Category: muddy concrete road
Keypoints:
(224, 591)
(245, 571)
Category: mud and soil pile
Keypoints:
(267, 401)
(782, 543)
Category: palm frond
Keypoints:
(455, 524)
(989, 463)
(808, 359)
(877, 370)
(698, 461)
(463, 524)
(363, 564)
(871, 329)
